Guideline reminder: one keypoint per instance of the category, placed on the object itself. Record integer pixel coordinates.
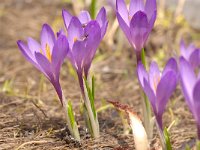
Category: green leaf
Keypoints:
(93, 83)
(71, 114)
(91, 95)
(187, 147)
(167, 139)
(93, 9)
(143, 57)
(198, 145)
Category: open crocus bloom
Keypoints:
(138, 21)
(84, 36)
(190, 53)
(158, 86)
(47, 56)
(190, 85)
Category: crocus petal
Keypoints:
(102, 20)
(27, 53)
(125, 28)
(122, 10)
(78, 54)
(188, 80)
(171, 65)
(61, 32)
(150, 8)
(164, 90)
(33, 45)
(66, 17)
(194, 58)
(196, 96)
(139, 30)
(45, 66)
(154, 76)
(135, 5)
(84, 17)
(59, 53)
(75, 31)
(142, 74)
(186, 51)
(93, 32)
(152, 21)
(47, 38)
(150, 94)
(183, 49)
(58, 90)
(101, 17)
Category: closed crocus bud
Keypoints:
(137, 21)
(190, 53)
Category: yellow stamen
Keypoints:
(129, 17)
(41, 51)
(48, 52)
(75, 39)
(156, 81)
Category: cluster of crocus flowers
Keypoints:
(79, 46)
(190, 84)
(137, 22)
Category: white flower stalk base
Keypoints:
(139, 133)
(94, 124)
(73, 129)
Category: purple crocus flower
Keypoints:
(84, 36)
(190, 53)
(47, 56)
(190, 85)
(84, 18)
(158, 86)
(137, 22)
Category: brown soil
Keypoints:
(31, 117)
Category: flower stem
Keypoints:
(71, 123)
(93, 8)
(92, 119)
(160, 133)
(147, 114)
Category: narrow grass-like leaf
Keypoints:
(87, 119)
(70, 113)
(91, 96)
(93, 84)
(167, 140)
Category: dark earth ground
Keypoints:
(31, 117)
